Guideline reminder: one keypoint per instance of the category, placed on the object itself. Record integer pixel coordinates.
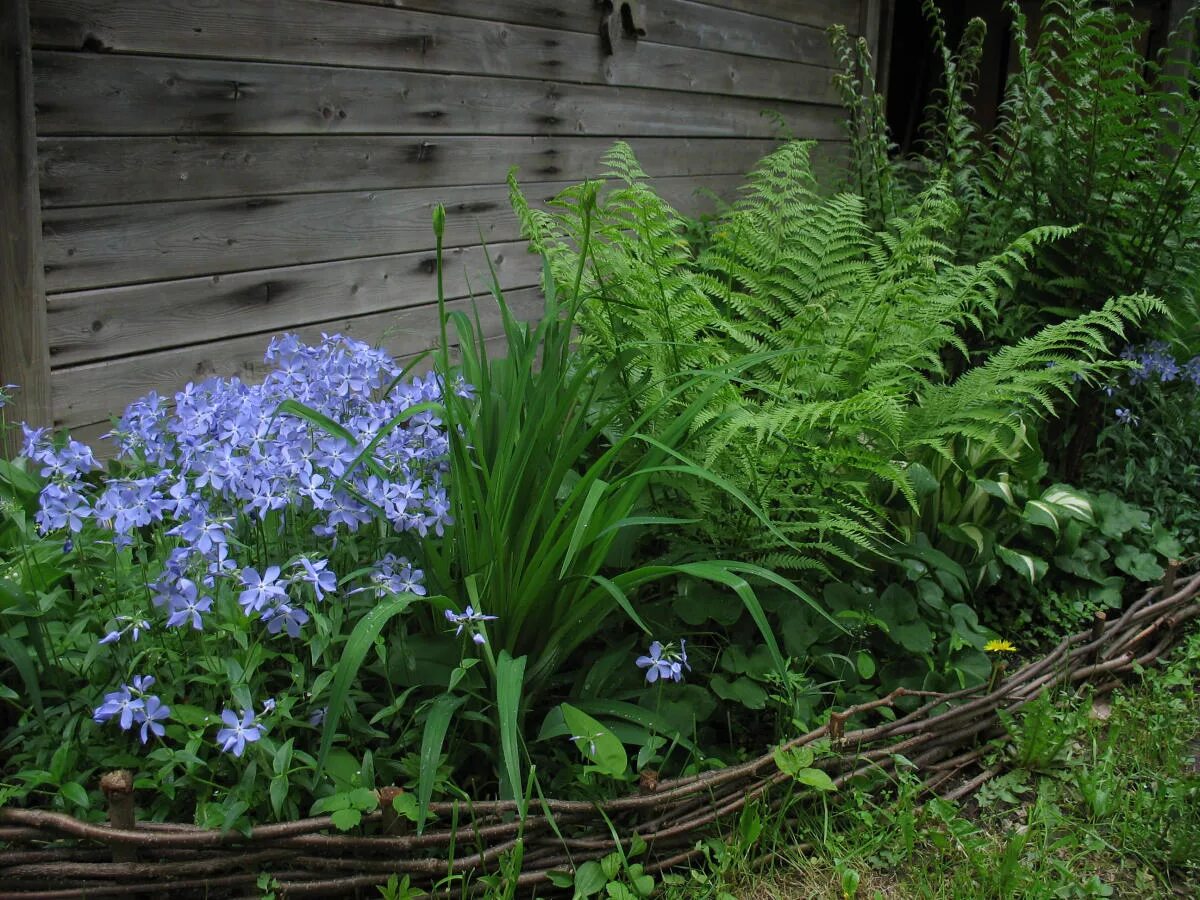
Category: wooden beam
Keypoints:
(116, 94)
(24, 355)
(96, 171)
(89, 326)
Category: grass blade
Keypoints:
(432, 740)
(510, 676)
(368, 628)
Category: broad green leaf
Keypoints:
(1029, 567)
(75, 792)
(596, 742)
(741, 690)
(792, 761)
(1075, 502)
(345, 819)
(589, 879)
(865, 664)
(1001, 489)
(816, 778)
(1038, 512)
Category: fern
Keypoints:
(832, 339)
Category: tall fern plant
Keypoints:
(1091, 136)
(830, 339)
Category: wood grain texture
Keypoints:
(127, 95)
(88, 326)
(687, 23)
(816, 13)
(97, 246)
(581, 15)
(345, 34)
(87, 394)
(94, 171)
(24, 360)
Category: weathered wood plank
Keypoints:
(90, 247)
(138, 95)
(87, 394)
(341, 34)
(88, 326)
(23, 357)
(688, 23)
(92, 171)
(817, 13)
(581, 15)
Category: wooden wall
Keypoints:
(212, 172)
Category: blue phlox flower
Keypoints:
(1191, 370)
(316, 573)
(664, 662)
(238, 732)
(187, 606)
(1126, 416)
(261, 590)
(119, 704)
(151, 715)
(285, 616)
(61, 506)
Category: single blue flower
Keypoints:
(664, 662)
(187, 606)
(237, 733)
(120, 703)
(316, 573)
(285, 616)
(261, 590)
(469, 619)
(154, 712)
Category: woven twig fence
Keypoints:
(48, 855)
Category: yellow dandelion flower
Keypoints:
(1000, 647)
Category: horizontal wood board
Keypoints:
(432, 35)
(126, 95)
(95, 246)
(95, 171)
(92, 325)
(320, 32)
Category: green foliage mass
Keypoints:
(835, 341)
(1092, 136)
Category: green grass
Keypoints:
(1116, 813)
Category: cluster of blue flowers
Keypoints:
(221, 459)
(1153, 361)
(134, 705)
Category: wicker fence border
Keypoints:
(47, 855)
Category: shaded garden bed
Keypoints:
(53, 855)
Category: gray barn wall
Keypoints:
(215, 171)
